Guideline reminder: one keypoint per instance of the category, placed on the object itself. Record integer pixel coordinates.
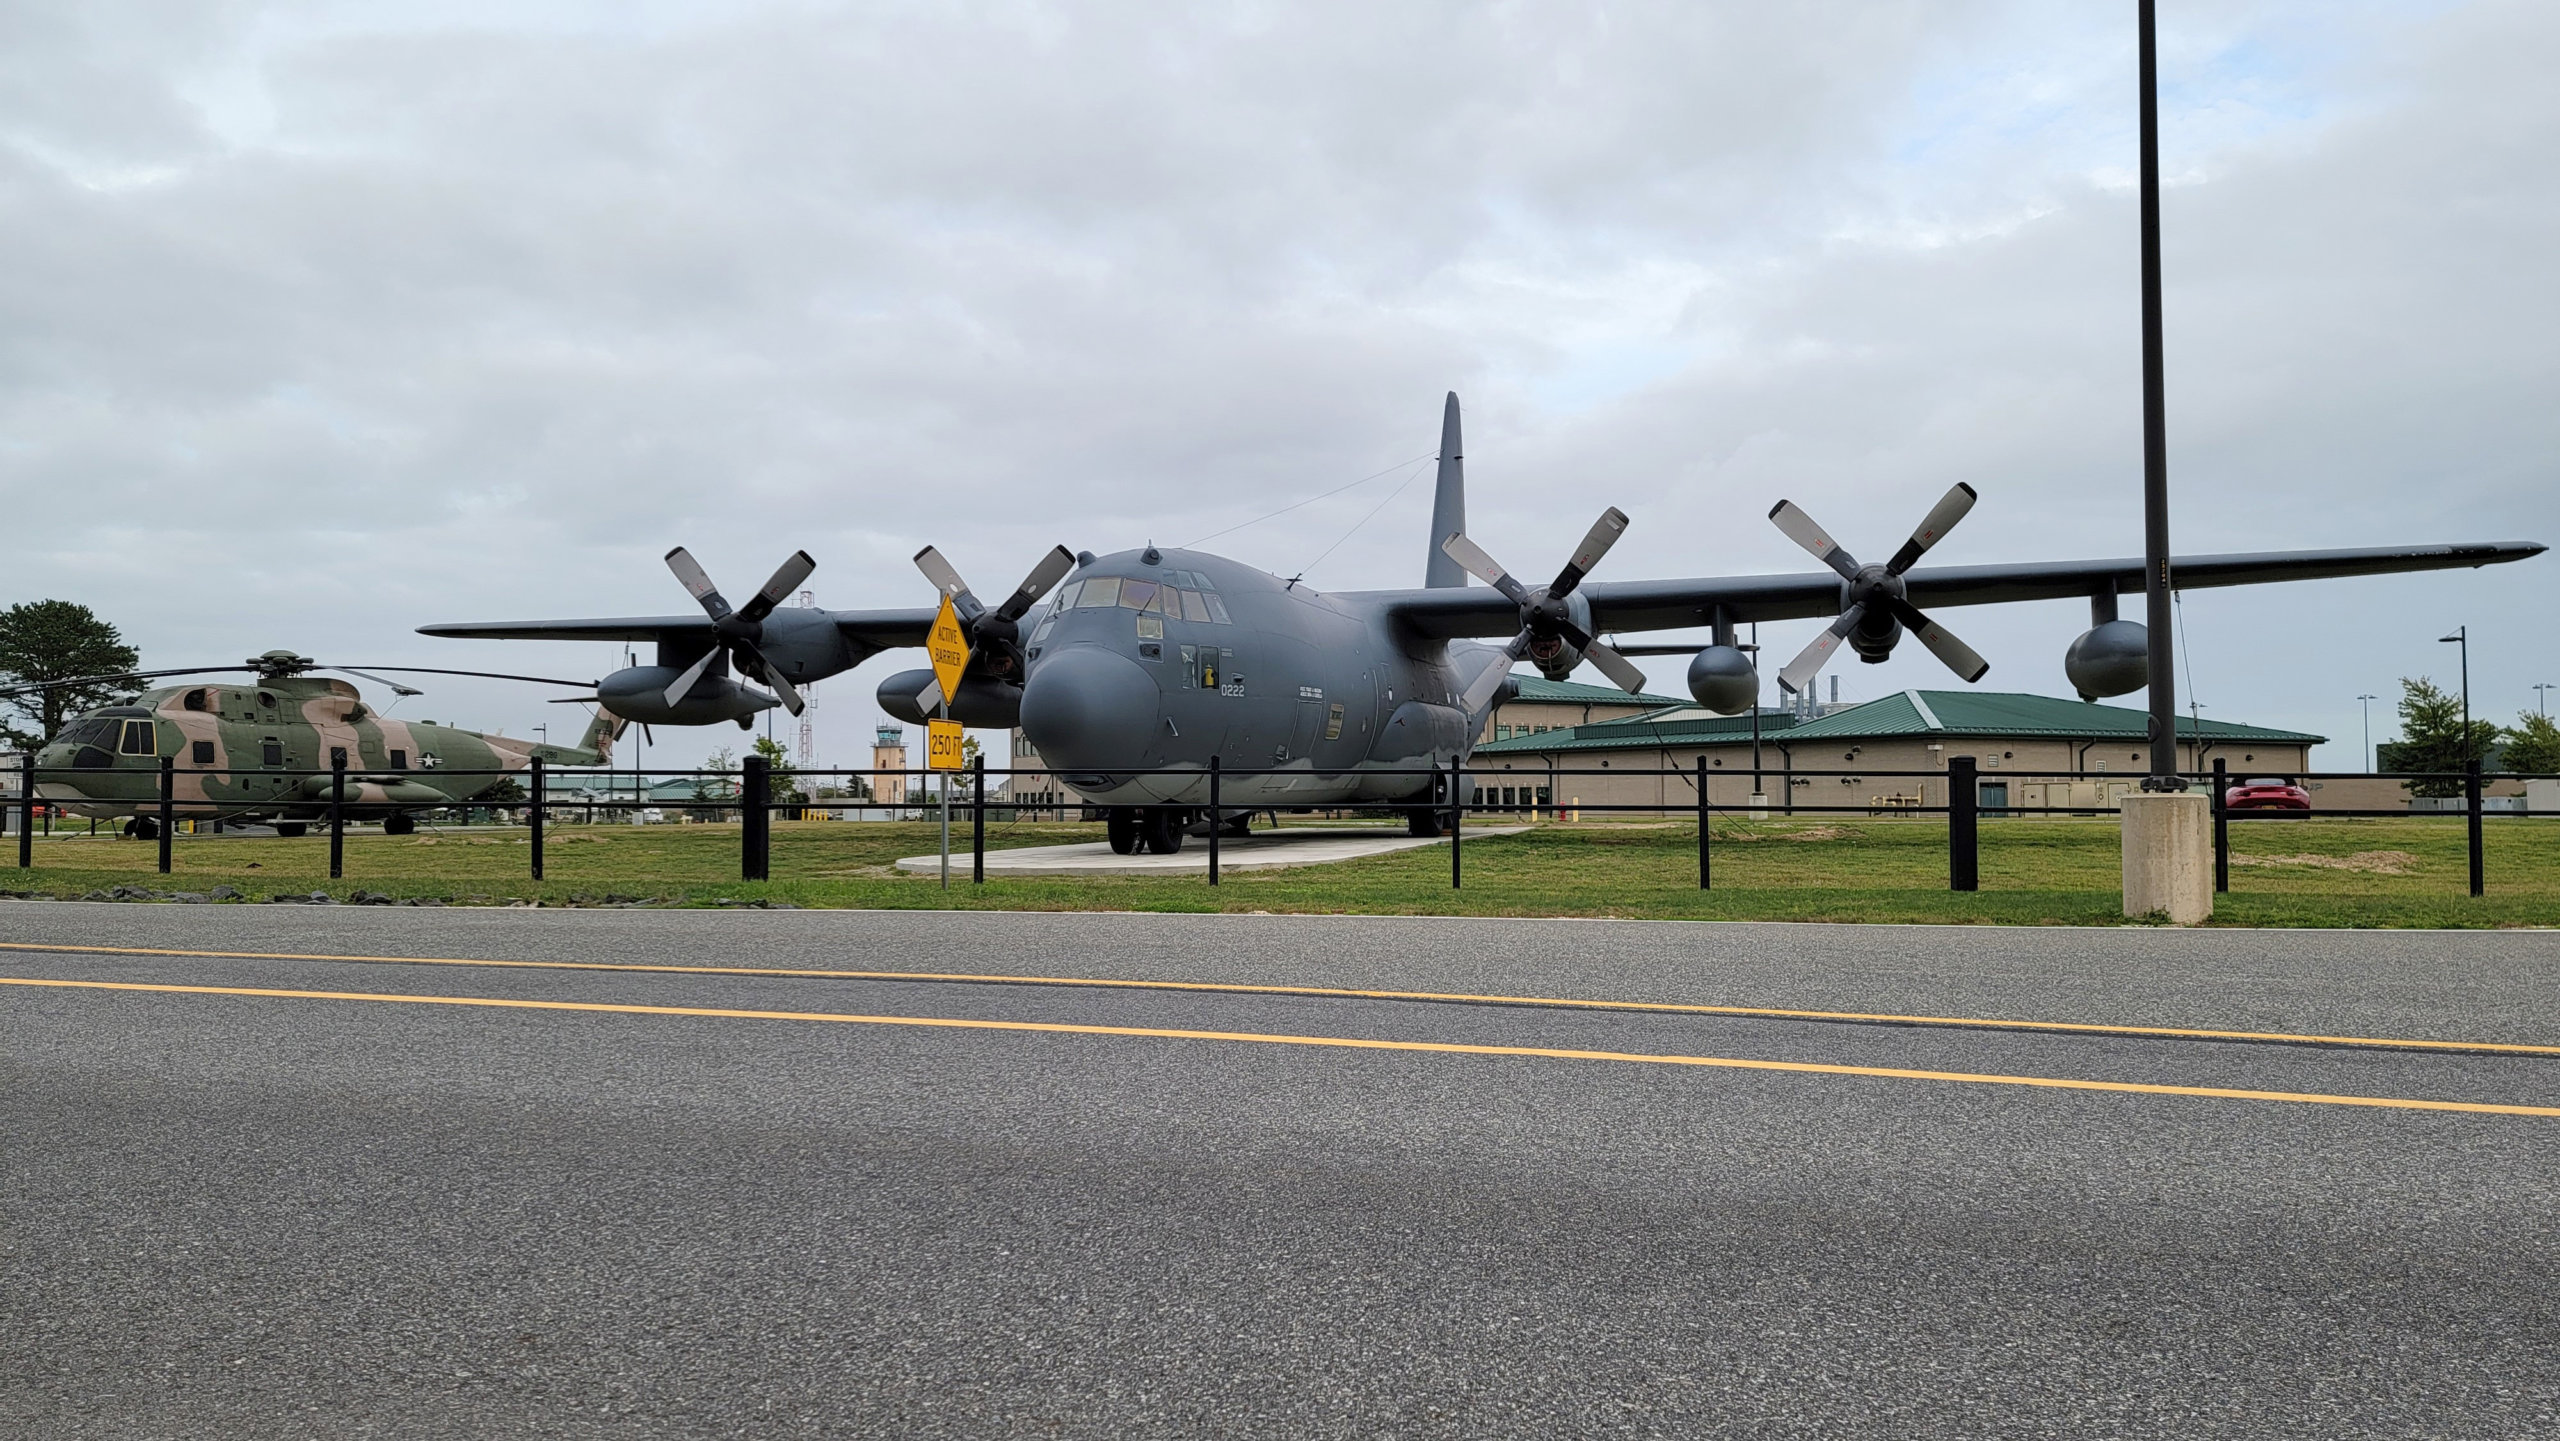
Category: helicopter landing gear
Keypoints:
(399, 825)
(142, 828)
(290, 830)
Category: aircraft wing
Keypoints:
(872, 629)
(1636, 605)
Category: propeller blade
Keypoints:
(1484, 567)
(396, 687)
(697, 582)
(1809, 660)
(684, 683)
(770, 674)
(1934, 526)
(1800, 528)
(436, 670)
(1604, 533)
(948, 581)
(1616, 667)
(1052, 568)
(786, 579)
(1963, 659)
(1486, 684)
(929, 699)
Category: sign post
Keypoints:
(948, 645)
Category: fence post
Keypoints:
(1964, 871)
(753, 817)
(168, 807)
(1457, 816)
(27, 811)
(1217, 821)
(2471, 802)
(533, 817)
(978, 827)
(1703, 873)
(337, 813)
(2221, 824)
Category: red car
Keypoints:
(2281, 797)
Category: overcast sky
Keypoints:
(320, 322)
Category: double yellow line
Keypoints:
(1330, 1042)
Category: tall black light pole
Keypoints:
(2366, 701)
(2155, 442)
(2462, 637)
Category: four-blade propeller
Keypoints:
(1547, 619)
(1876, 593)
(995, 636)
(739, 629)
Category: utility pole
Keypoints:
(2541, 701)
(2155, 439)
(2365, 703)
(2462, 637)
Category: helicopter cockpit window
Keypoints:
(139, 739)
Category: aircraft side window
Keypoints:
(399, 760)
(202, 753)
(138, 739)
(1100, 592)
(195, 699)
(1333, 722)
(1217, 608)
(1040, 632)
(1190, 667)
(1066, 598)
(271, 752)
(1150, 627)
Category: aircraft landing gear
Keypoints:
(1120, 823)
(1161, 828)
(399, 825)
(142, 828)
(290, 829)
(1425, 821)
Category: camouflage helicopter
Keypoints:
(235, 749)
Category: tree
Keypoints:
(782, 780)
(56, 640)
(2432, 739)
(2533, 744)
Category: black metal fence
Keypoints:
(1444, 798)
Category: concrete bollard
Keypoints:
(2168, 855)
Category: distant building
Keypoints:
(2016, 740)
(889, 759)
(1544, 706)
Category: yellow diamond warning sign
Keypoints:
(949, 648)
(943, 744)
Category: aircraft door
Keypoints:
(1309, 723)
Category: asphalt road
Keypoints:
(327, 1215)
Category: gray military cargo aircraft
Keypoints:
(1156, 660)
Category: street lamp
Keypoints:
(2541, 702)
(2365, 703)
(2462, 637)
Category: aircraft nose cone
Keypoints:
(1090, 709)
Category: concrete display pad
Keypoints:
(1263, 850)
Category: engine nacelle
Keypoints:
(1722, 679)
(2110, 658)
(914, 695)
(640, 694)
(1555, 657)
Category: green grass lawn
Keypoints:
(2052, 872)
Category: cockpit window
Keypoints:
(1217, 608)
(1066, 598)
(139, 739)
(1194, 607)
(1101, 591)
(1139, 595)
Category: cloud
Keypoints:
(316, 324)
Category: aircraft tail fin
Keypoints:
(595, 748)
(1448, 503)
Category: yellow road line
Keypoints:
(1343, 1042)
(1669, 1007)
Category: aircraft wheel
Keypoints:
(1122, 827)
(398, 825)
(1161, 828)
(1423, 821)
(1239, 826)
(289, 829)
(143, 828)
